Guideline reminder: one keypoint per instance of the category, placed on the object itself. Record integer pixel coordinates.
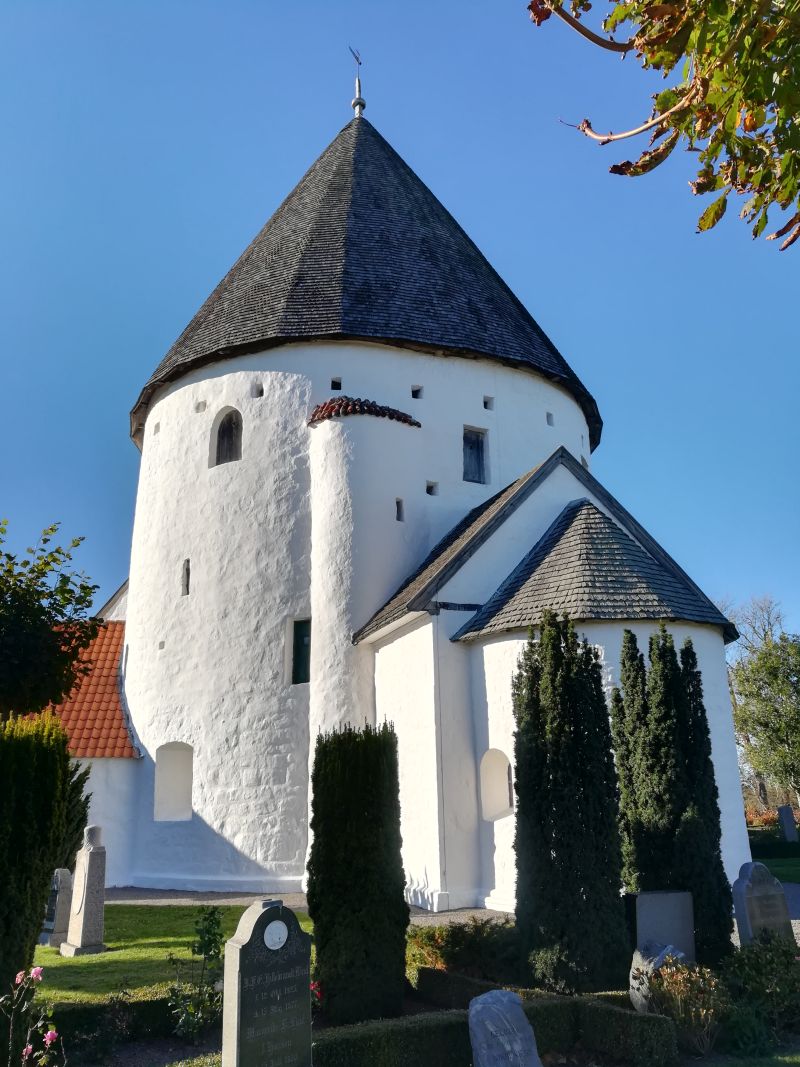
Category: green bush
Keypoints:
(76, 815)
(559, 1023)
(355, 875)
(481, 948)
(34, 772)
(92, 1031)
(769, 845)
(448, 989)
(626, 1036)
(764, 977)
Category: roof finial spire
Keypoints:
(359, 103)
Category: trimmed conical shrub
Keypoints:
(569, 912)
(34, 774)
(628, 717)
(355, 874)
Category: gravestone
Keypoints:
(665, 919)
(59, 904)
(266, 1014)
(760, 904)
(646, 961)
(86, 920)
(500, 1033)
(788, 825)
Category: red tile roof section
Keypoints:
(338, 406)
(93, 715)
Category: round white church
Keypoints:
(365, 472)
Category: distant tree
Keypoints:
(44, 624)
(736, 101)
(766, 685)
(569, 911)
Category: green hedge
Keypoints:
(767, 845)
(92, 1031)
(559, 1023)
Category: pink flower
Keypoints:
(27, 1052)
(49, 1038)
(36, 974)
(20, 978)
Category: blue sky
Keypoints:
(145, 143)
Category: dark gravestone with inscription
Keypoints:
(266, 1017)
(760, 904)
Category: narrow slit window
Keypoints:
(157, 428)
(257, 390)
(550, 419)
(474, 455)
(172, 801)
(488, 403)
(399, 510)
(432, 488)
(186, 574)
(584, 463)
(301, 651)
(510, 775)
(416, 392)
(229, 438)
(336, 384)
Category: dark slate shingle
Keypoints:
(362, 249)
(587, 567)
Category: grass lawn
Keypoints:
(786, 870)
(139, 939)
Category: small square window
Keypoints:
(474, 455)
(550, 419)
(432, 488)
(416, 392)
(157, 428)
(301, 651)
(200, 406)
(257, 390)
(336, 384)
(399, 510)
(488, 403)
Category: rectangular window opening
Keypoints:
(488, 403)
(157, 428)
(301, 651)
(432, 488)
(336, 384)
(200, 406)
(257, 390)
(550, 419)
(474, 455)
(399, 510)
(186, 575)
(416, 392)
(585, 464)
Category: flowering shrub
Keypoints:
(764, 976)
(694, 998)
(195, 999)
(316, 996)
(32, 1038)
(757, 817)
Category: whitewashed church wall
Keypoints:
(495, 660)
(405, 680)
(360, 552)
(461, 858)
(114, 784)
(212, 669)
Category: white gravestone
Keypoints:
(266, 1013)
(500, 1033)
(788, 825)
(665, 918)
(59, 903)
(86, 920)
(760, 904)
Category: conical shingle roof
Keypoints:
(361, 249)
(586, 566)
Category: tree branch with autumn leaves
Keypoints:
(735, 101)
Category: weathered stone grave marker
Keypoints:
(59, 904)
(86, 920)
(266, 1015)
(665, 919)
(788, 825)
(647, 960)
(500, 1033)
(760, 904)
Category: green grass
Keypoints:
(139, 939)
(786, 870)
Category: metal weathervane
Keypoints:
(359, 103)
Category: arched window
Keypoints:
(497, 785)
(173, 791)
(229, 438)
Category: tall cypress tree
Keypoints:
(698, 847)
(569, 911)
(628, 718)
